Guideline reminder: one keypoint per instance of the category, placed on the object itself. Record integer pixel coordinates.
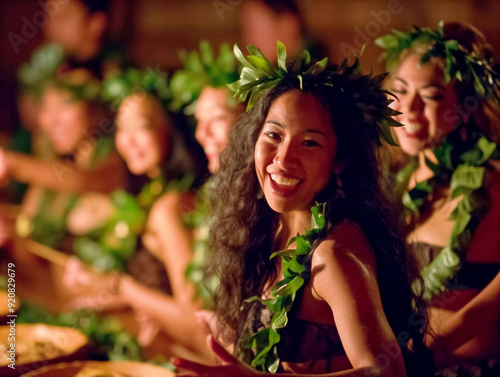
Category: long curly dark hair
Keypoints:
(243, 228)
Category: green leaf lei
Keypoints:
(259, 75)
(199, 221)
(110, 247)
(295, 275)
(459, 63)
(464, 166)
(107, 336)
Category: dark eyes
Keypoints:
(273, 135)
(306, 143)
(311, 143)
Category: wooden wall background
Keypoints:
(154, 30)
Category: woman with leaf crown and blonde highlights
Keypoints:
(83, 159)
(334, 300)
(176, 227)
(449, 95)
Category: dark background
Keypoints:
(154, 30)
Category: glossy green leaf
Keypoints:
(282, 56)
(467, 176)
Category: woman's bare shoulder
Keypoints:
(172, 204)
(344, 262)
(346, 241)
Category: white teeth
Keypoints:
(412, 128)
(284, 181)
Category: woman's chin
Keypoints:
(411, 148)
(137, 170)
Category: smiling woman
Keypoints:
(424, 97)
(339, 298)
(287, 153)
(82, 157)
(449, 96)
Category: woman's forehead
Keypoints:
(411, 70)
(301, 111)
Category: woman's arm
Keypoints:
(177, 321)
(112, 290)
(344, 276)
(55, 175)
(174, 241)
(482, 312)
(231, 366)
(90, 212)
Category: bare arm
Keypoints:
(481, 313)
(231, 366)
(62, 176)
(174, 241)
(344, 276)
(177, 321)
(112, 290)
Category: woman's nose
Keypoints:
(413, 103)
(47, 120)
(129, 139)
(286, 155)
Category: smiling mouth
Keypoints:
(283, 186)
(284, 181)
(413, 130)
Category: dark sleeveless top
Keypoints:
(303, 341)
(472, 275)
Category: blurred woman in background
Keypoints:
(448, 94)
(83, 158)
(176, 227)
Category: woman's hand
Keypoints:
(148, 328)
(228, 365)
(79, 278)
(91, 212)
(208, 320)
(93, 290)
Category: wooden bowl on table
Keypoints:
(38, 345)
(101, 369)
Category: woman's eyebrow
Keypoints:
(314, 131)
(400, 79)
(434, 85)
(274, 122)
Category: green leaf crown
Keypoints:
(461, 64)
(201, 69)
(363, 91)
(79, 82)
(118, 86)
(42, 67)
